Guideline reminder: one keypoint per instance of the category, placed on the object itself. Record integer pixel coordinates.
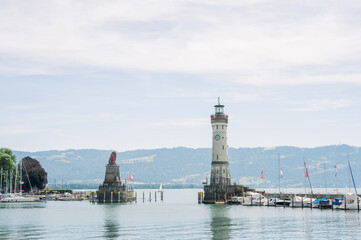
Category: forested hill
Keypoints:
(187, 165)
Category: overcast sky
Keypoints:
(129, 75)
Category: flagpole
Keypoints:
(309, 181)
(262, 180)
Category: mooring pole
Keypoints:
(143, 196)
(150, 196)
(155, 196)
(111, 197)
(332, 203)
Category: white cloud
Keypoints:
(322, 104)
(253, 42)
(185, 122)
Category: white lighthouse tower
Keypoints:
(220, 188)
(220, 166)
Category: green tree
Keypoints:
(7, 166)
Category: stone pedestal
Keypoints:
(112, 190)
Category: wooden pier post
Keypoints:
(111, 197)
(155, 196)
(332, 204)
(150, 196)
(136, 196)
(345, 202)
(161, 195)
(91, 197)
(358, 204)
(251, 201)
(143, 196)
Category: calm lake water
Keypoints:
(179, 216)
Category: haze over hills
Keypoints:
(191, 166)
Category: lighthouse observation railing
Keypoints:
(219, 117)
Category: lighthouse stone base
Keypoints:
(220, 193)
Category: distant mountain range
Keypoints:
(191, 166)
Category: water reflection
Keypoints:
(220, 222)
(111, 223)
(23, 205)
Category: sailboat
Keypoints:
(281, 202)
(325, 202)
(17, 197)
(351, 201)
(160, 188)
(305, 201)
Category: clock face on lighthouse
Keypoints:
(217, 137)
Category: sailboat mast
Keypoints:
(1, 181)
(279, 175)
(21, 178)
(27, 174)
(336, 179)
(304, 173)
(324, 173)
(353, 180)
(16, 176)
(11, 180)
(349, 173)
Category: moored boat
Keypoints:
(350, 202)
(16, 198)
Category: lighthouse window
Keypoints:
(223, 147)
(222, 126)
(217, 126)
